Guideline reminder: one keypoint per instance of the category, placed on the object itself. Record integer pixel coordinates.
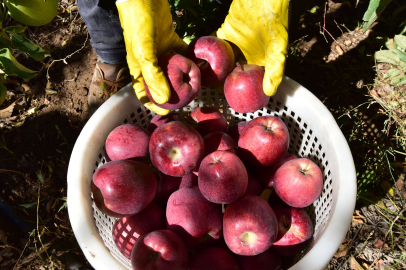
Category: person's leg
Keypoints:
(111, 73)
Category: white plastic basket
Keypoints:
(313, 133)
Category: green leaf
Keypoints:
(401, 55)
(28, 205)
(401, 81)
(23, 44)
(11, 66)
(40, 177)
(387, 57)
(389, 45)
(400, 41)
(5, 41)
(375, 8)
(3, 93)
(14, 29)
(393, 72)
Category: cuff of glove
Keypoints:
(120, 1)
(143, 6)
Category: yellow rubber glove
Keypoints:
(260, 29)
(148, 33)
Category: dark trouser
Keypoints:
(103, 24)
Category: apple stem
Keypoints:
(223, 209)
(238, 65)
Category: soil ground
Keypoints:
(335, 63)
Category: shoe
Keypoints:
(107, 80)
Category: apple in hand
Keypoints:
(213, 258)
(196, 220)
(207, 120)
(169, 184)
(243, 89)
(266, 175)
(127, 186)
(298, 182)
(176, 148)
(127, 230)
(249, 226)
(128, 142)
(235, 130)
(266, 260)
(263, 141)
(219, 140)
(295, 229)
(222, 177)
(161, 249)
(159, 120)
(183, 77)
(214, 57)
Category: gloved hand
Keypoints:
(148, 33)
(260, 30)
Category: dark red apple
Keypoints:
(196, 220)
(299, 182)
(243, 89)
(249, 226)
(184, 79)
(235, 130)
(208, 119)
(213, 258)
(295, 229)
(159, 120)
(263, 141)
(128, 142)
(254, 186)
(176, 148)
(266, 260)
(162, 249)
(214, 57)
(127, 230)
(99, 201)
(169, 184)
(222, 177)
(219, 140)
(127, 186)
(266, 175)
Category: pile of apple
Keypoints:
(191, 192)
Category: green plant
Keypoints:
(393, 20)
(190, 17)
(11, 38)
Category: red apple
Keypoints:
(235, 130)
(254, 186)
(128, 142)
(127, 186)
(219, 140)
(267, 260)
(249, 226)
(184, 80)
(127, 230)
(176, 148)
(266, 175)
(299, 182)
(169, 184)
(222, 177)
(159, 120)
(208, 119)
(243, 89)
(213, 258)
(196, 220)
(99, 201)
(295, 229)
(162, 249)
(214, 57)
(263, 141)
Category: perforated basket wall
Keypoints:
(305, 141)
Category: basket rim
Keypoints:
(80, 204)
